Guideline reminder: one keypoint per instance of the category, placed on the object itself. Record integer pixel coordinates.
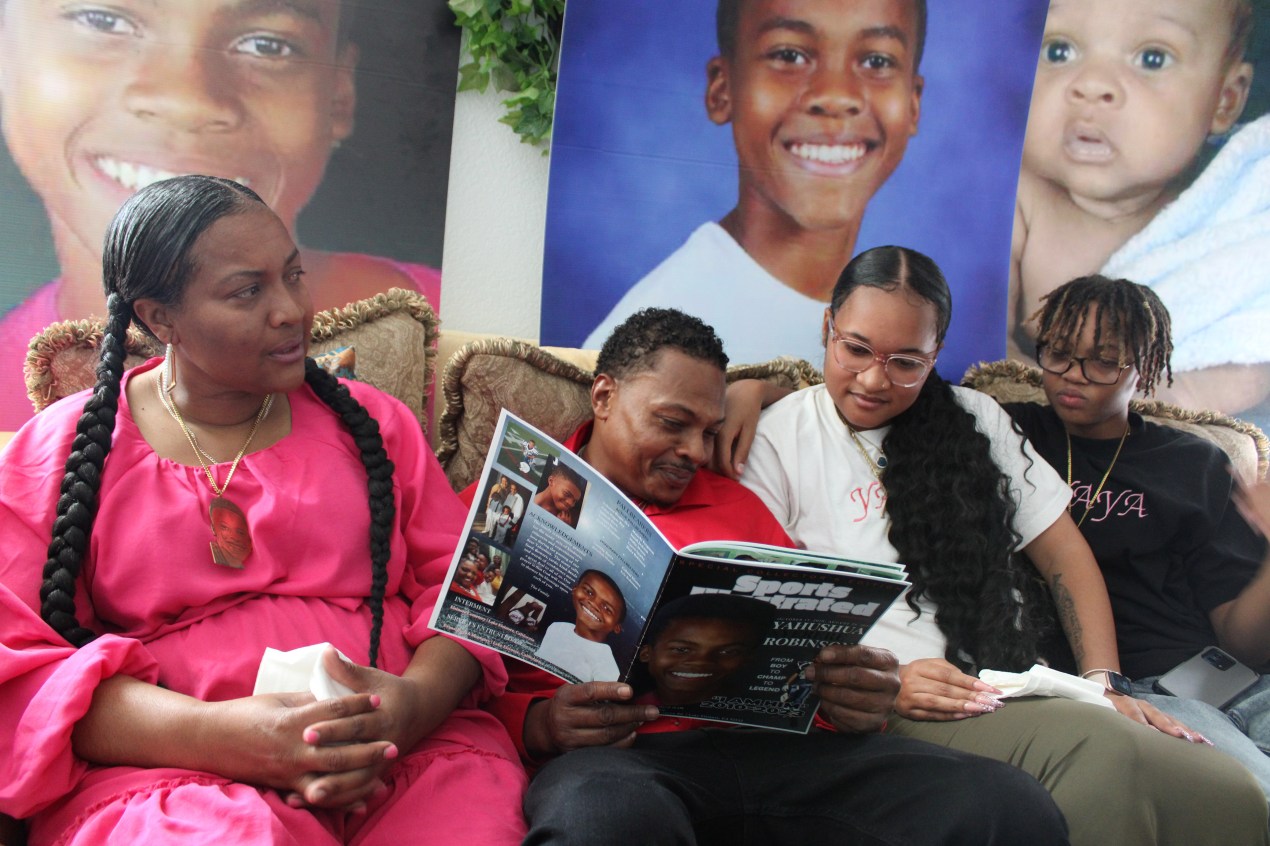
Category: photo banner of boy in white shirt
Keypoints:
(731, 159)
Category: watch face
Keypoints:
(1119, 683)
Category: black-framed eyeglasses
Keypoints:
(855, 356)
(1100, 371)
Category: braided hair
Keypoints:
(149, 254)
(1126, 311)
(951, 513)
(379, 469)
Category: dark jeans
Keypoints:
(737, 786)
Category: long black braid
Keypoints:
(951, 513)
(1132, 315)
(77, 503)
(379, 470)
(148, 254)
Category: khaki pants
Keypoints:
(1117, 782)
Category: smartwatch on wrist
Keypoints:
(1111, 680)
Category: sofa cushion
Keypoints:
(1244, 443)
(62, 358)
(391, 336)
(487, 375)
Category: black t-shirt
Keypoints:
(1170, 542)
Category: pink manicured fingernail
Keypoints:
(295, 801)
(391, 753)
(375, 700)
(358, 809)
(311, 736)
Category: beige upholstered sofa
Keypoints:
(550, 386)
(397, 345)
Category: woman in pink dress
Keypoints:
(129, 665)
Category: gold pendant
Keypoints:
(231, 536)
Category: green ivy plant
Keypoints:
(516, 45)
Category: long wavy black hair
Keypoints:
(949, 503)
(148, 254)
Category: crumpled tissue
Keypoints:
(299, 669)
(1044, 681)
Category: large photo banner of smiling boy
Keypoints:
(338, 113)
(816, 129)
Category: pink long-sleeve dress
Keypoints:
(169, 615)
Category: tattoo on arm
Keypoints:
(1066, 607)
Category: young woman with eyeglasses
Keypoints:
(888, 461)
(1158, 506)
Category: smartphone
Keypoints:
(1212, 676)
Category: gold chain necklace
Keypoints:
(168, 404)
(1089, 504)
(875, 467)
(231, 533)
(199, 454)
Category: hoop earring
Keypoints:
(169, 370)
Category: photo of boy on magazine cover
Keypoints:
(695, 644)
(561, 492)
(579, 646)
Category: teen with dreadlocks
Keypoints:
(1183, 568)
(888, 461)
(128, 673)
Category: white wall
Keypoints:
(494, 224)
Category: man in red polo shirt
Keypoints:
(613, 771)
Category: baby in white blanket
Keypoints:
(1126, 94)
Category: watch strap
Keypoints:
(1110, 680)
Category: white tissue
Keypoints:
(297, 670)
(1043, 681)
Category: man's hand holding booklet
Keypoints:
(588, 589)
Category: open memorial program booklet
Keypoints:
(560, 570)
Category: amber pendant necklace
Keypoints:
(231, 535)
